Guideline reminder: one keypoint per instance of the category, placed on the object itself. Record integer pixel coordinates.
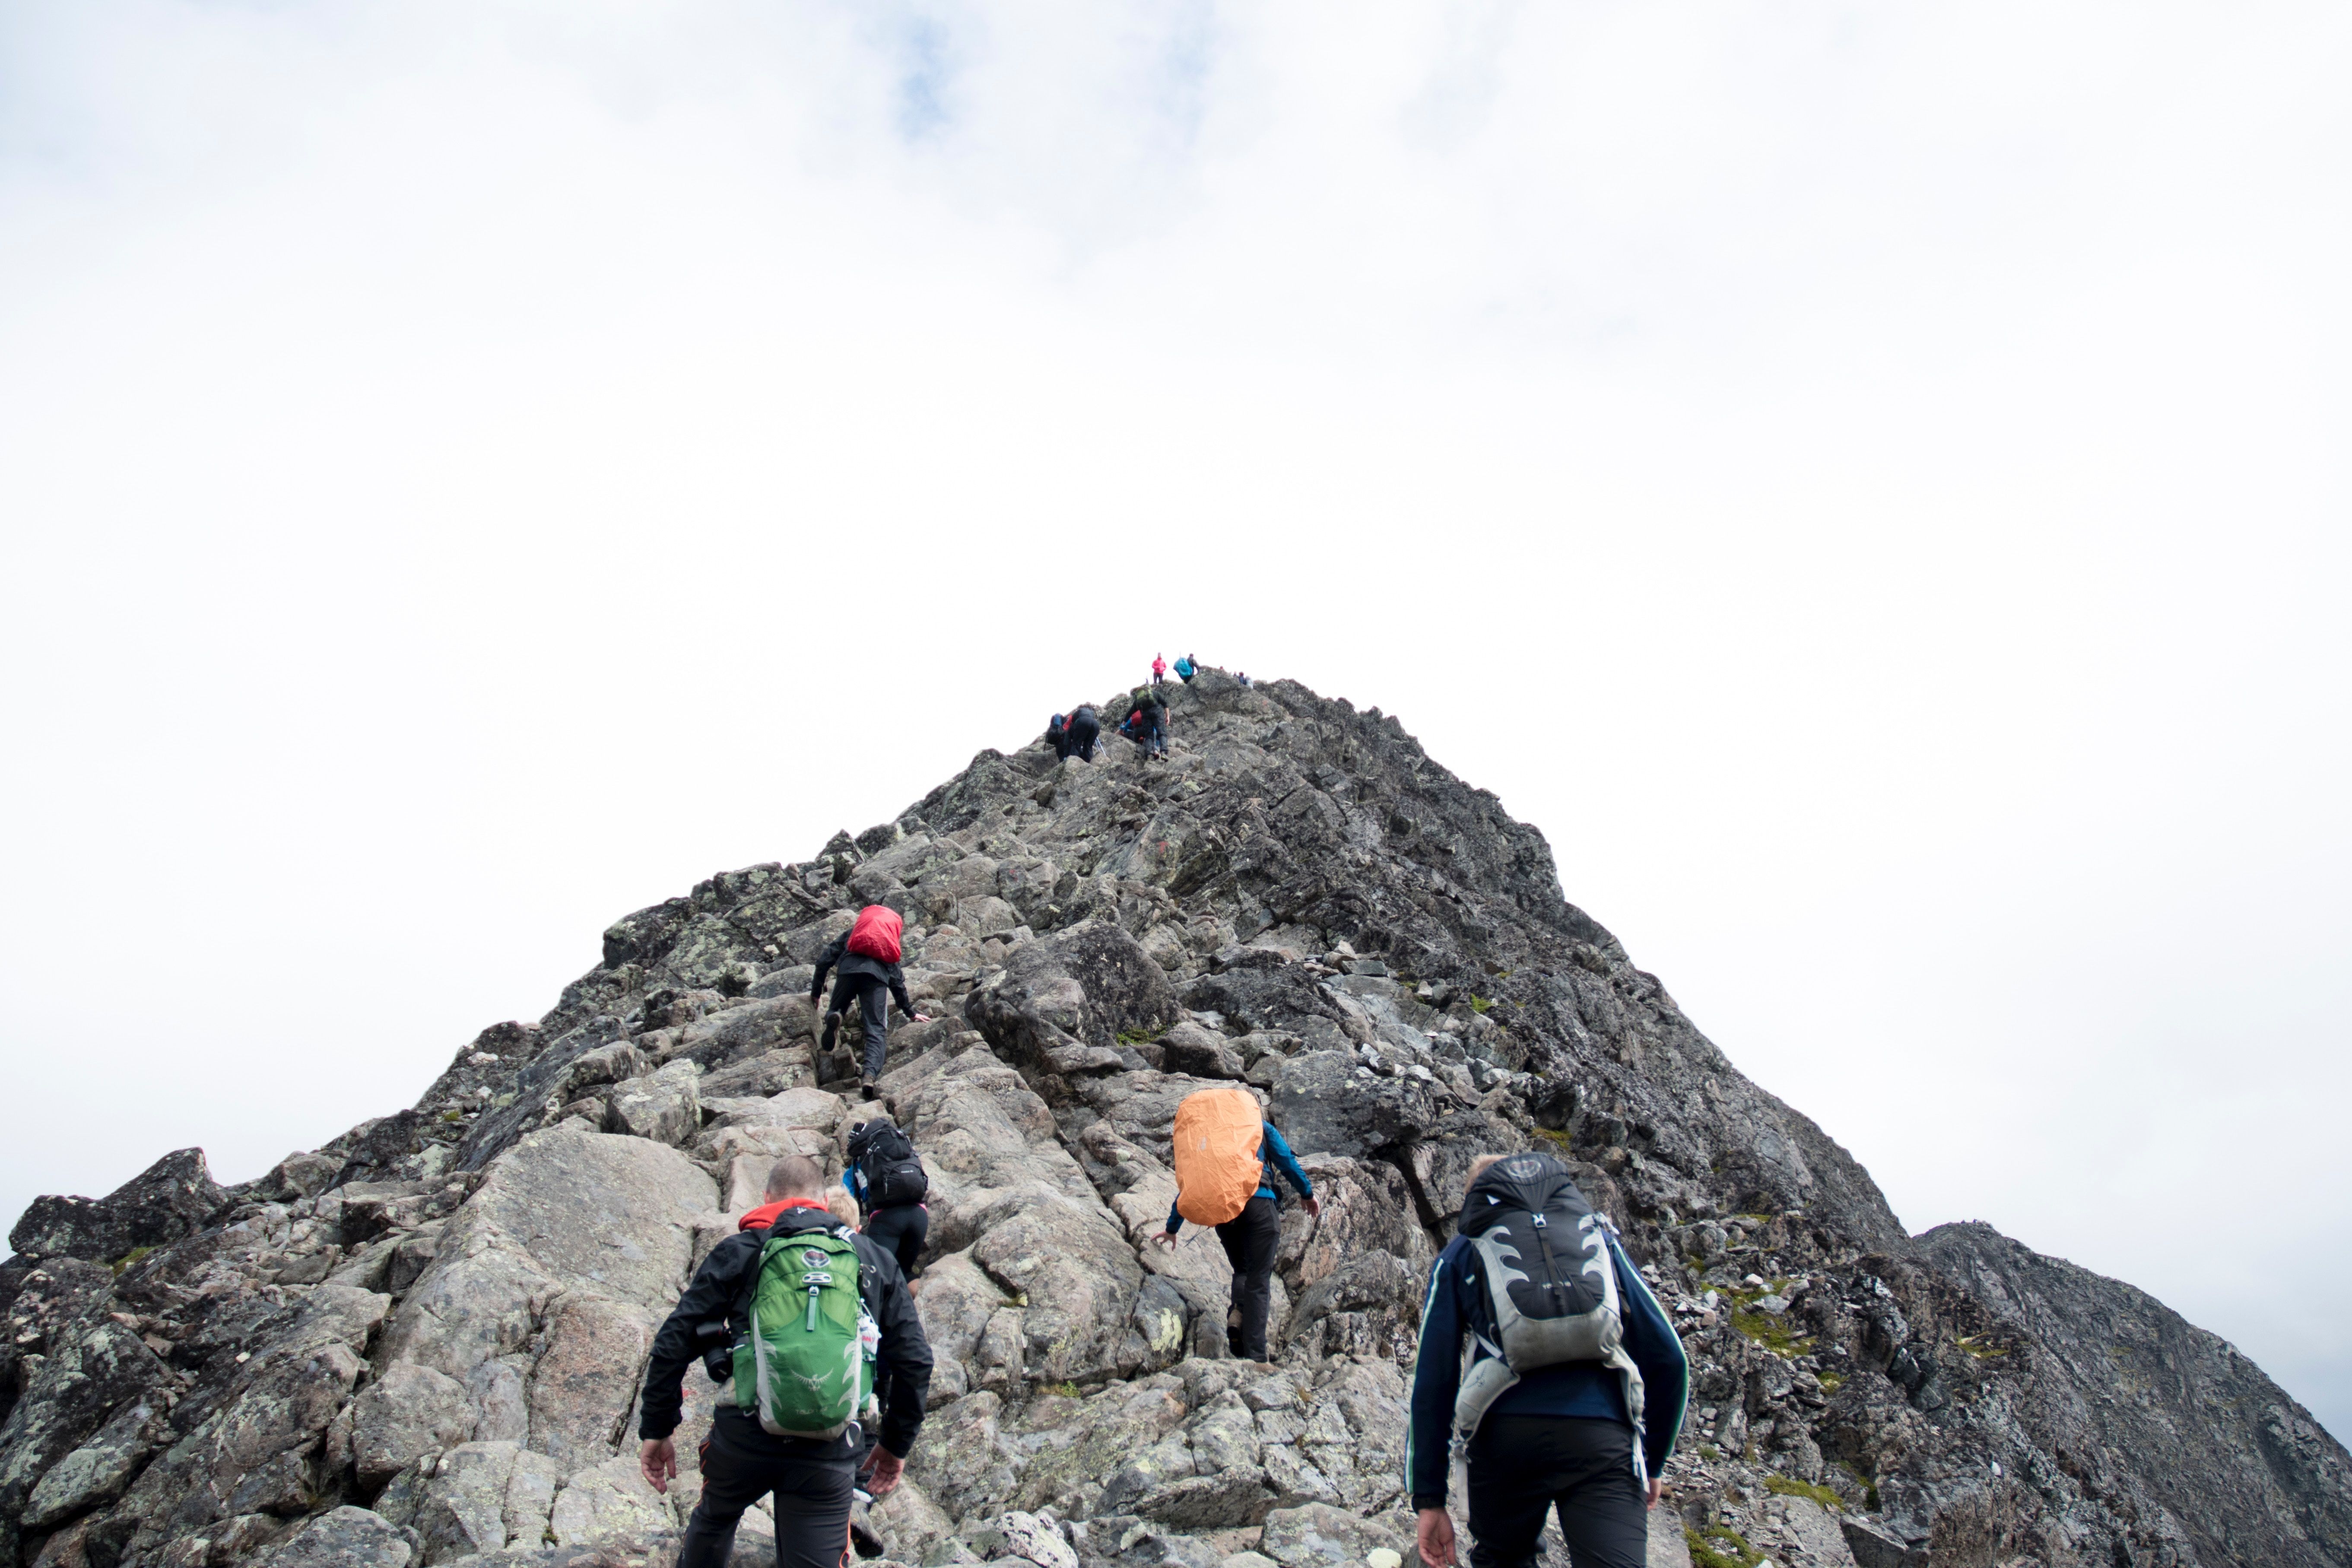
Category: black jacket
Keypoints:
(1082, 725)
(836, 954)
(722, 1290)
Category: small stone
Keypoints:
(1384, 1557)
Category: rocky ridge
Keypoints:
(419, 1345)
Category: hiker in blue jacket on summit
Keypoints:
(1590, 1436)
(1249, 1239)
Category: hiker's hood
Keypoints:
(763, 1216)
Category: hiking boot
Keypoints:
(832, 1030)
(863, 1540)
(866, 1087)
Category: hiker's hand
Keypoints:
(659, 1460)
(922, 1017)
(1313, 1206)
(1166, 1238)
(1434, 1534)
(1657, 1490)
(883, 1480)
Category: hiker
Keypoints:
(886, 1178)
(1057, 735)
(1226, 1153)
(867, 956)
(1241, 679)
(1159, 669)
(1079, 733)
(1579, 1408)
(1185, 665)
(1147, 722)
(777, 1313)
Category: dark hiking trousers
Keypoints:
(1521, 1467)
(1250, 1238)
(870, 994)
(740, 1464)
(900, 1229)
(1080, 738)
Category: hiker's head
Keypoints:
(796, 1176)
(1478, 1167)
(843, 1207)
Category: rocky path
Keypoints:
(421, 1344)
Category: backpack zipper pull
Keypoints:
(811, 1325)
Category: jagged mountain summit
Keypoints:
(421, 1344)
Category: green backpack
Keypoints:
(804, 1367)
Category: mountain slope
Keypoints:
(420, 1343)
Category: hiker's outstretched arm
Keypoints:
(1287, 1162)
(825, 962)
(1436, 1378)
(1657, 1351)
(910, 1355)
(710, 1296)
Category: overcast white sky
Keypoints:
(1869, 481)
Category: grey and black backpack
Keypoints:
(1550, 1283)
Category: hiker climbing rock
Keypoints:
(803, 1321)
(1147, 722)
(1574, 1393)
(1226, 1153)
(867, 956)
(887, 1177)
(1185, 667)
(1074, 735)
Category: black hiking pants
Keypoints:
(741, 1464)
(1249, 1239)
(870, 996)
(1080, 738)
(900, 1229)
(1522, 1467)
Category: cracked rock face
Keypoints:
(420, 1343)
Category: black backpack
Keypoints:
(886, 1157)
(1551, 1283)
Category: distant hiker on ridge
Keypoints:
(1147, 723)
(867, 955)
(1075, 733)
(1159, 669)
(1226, 1154)
(1185, 666)
(1574, 1393)
(776, 1313)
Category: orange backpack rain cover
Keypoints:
(876, 934)
(1218, 1131)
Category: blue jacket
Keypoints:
(1457, 1303)
(1272, 1154)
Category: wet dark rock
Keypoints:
(163, 1203)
